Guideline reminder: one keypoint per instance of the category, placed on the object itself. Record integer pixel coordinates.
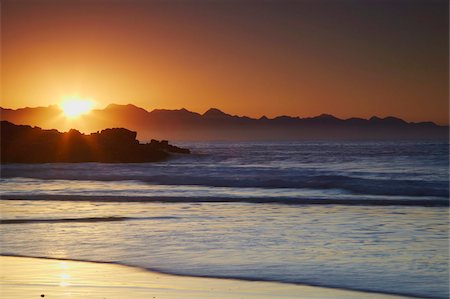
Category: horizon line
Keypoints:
(236, 115)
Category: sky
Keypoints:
(349, 58)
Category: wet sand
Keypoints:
(47, 278)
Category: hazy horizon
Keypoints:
(345, 58)
(342, 189)
(226, 112)
(214, 124)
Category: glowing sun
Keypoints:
(74, 107)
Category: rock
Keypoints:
(24, 144)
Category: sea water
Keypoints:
(357, 215)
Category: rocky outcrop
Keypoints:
(26, 144)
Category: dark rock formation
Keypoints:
(25, 144)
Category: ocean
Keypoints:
(363, 215)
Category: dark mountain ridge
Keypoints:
(215, 124)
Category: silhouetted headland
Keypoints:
(26, 144)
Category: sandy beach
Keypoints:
(242, 149)
(48, 278)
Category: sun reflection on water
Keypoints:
(63, 265)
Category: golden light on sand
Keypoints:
(74, 107)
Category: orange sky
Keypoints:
(303, 58)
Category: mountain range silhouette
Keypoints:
(215, 124)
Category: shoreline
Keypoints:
(435, 202)
(30, 277)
